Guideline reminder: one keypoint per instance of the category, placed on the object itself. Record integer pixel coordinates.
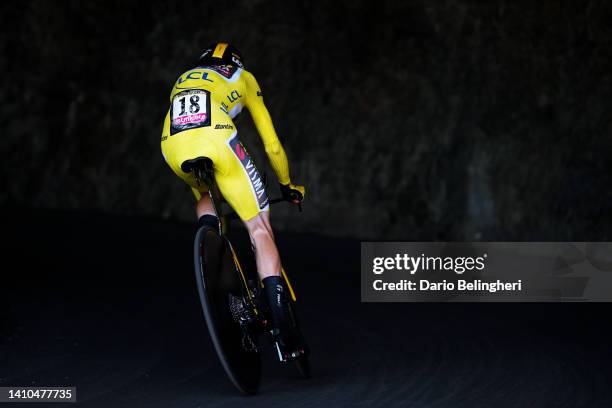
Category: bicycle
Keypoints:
(235, 315)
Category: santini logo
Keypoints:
(219, 126)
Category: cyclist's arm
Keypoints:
(263, 122)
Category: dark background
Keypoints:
(418, 120)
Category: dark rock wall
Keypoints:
(408, 120)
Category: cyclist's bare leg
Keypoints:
(205, 206)
(269, 268)
(262, 239)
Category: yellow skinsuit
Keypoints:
(204, 100)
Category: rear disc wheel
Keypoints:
(218, 282)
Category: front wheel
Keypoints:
(219, 287)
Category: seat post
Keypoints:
(207, 170)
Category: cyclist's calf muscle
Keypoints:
(261, 235)
(262, 238)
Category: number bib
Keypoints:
(190, 109)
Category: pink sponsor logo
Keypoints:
(200, 117)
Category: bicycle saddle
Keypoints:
(203, 163)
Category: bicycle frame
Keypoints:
(246, 376)
(207, 176)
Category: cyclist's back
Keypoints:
(204, 100)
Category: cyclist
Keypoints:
(203, 102)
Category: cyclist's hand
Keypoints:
(293, 193)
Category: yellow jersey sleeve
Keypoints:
(263, 122)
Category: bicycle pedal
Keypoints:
(285, 356)
(282, 357)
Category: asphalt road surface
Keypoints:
(109, 305)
